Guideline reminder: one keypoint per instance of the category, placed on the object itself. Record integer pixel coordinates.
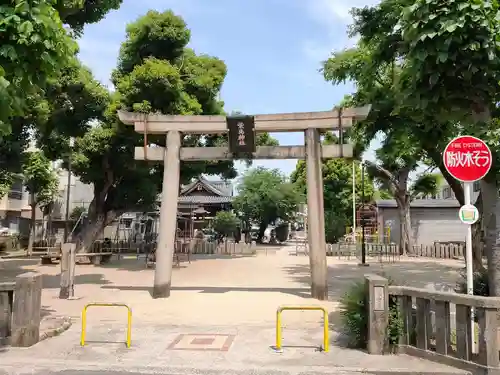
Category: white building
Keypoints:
(445, 192)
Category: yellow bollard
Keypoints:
(326, 341)
(95, 304)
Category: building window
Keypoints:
(127, 223)
(476, 186)
(16, 190)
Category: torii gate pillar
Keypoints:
(311, 123)
(315, 216)
(168, 217)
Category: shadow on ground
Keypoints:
(130, 262)
(300, 292)
(9, 269)
(422, 274)
(416, 274)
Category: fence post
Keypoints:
(64, 291)
(26, 309)
(378, 313)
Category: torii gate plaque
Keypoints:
(311, 123)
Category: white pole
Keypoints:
(468, 256)
(354, 200)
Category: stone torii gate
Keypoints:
(173, 126)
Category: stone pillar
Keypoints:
(65, 282)
(168, 216)
(26, 309)
(6, 301)
(378, 313)
(316, 216)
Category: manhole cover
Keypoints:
(202, 341)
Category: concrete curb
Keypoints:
(126, 367)
(56, 331)
(14, 256)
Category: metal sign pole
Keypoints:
(468, 257)
(468, 242)
(468, 159)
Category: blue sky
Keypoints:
(273, 50)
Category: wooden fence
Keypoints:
(436, 326)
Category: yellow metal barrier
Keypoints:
(326, 340)
(84, 319)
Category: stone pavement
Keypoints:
(198, 349)
(219, 319)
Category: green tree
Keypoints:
(77, 212)
(78, 13)
(156, 72)
(377, 84)
(42, 183)
(35, 46)
(225, 223)
(393, 175)
(337, 193)
(448, 56)
(264, 196)
(35, 49)
(74, 101)
(381, 193)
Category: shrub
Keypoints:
(480, 283)
(354, 312)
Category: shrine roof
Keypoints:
(219, 188)
(204, 199)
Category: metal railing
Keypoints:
(279, 348)
(96, 304)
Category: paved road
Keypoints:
(214, 372)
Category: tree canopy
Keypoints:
(266, 196)
(42, 183)
(35, 46)
(337, 193)
(430, 70)
(156, 73)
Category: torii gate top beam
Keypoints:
(282, 122)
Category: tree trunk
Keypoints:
(405, 228)
(408, 230)
(491, 226)
(478, 232)
(31, 238)
(477, 247)
(405, 241)
(49, 231)
(93, 231)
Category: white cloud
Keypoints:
(101, 42)
(334, 16)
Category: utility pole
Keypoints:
(354, 201)
(68, 192)
(362, 215)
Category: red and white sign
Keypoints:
(467, 158)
